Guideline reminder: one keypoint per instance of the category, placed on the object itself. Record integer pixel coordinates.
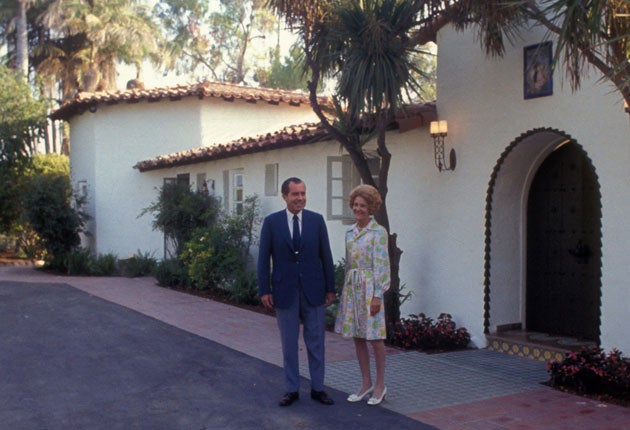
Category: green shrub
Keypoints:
(49, 211)
(171, 273)
(46, 164)
(104, 265)
(244, 288)
(340, 275)
(179, 212)
(78, 262)
(29, 243)
(7, 244)
(212, 258)
(141, 264)
(218, 255)
(421, 332)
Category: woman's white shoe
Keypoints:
(377, 400)
(353, 398)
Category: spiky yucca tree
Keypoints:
(366, 46)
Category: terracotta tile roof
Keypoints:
(228, 92)
(288, 136)
(295, 135)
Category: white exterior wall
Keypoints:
(223, 122)
(440, 217)
(439, 223)
(82, 162)
(482, 99)
(108, 143)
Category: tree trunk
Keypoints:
(54, 133)
(65, 139)
(392, 296)
(21, 48)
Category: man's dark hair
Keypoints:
(285, 184)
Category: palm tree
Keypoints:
(88, 38)
(80, 42)
(367, 45)
(376, 76)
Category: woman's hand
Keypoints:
(375, 306)
(330, 299)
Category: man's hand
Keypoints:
(267, 301)
(330, 299)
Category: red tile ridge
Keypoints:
(91, 100)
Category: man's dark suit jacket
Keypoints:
(312, 266)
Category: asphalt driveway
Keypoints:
(70, 360)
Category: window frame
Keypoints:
(349, 179)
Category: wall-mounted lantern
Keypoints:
(439, 130)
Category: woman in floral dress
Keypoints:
(361, 313)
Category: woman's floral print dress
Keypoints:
(367, 276)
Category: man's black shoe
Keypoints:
(289, 398)
(322, 397)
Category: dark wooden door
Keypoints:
(564, 247)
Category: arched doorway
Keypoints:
(518, 289)
(563, 246)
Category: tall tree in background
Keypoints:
(21, 39)
(186, 46)
(233, 29)
(287, 73)
(86, 40)
(14, 29)
(205, 41)
(79, 44)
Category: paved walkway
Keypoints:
(476, 389)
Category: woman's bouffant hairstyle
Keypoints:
(371, 196)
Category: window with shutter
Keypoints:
(342, 177)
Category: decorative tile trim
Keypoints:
(540, 353)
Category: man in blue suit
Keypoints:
(299, 286)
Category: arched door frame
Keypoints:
(505, 248)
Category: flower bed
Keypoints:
(423, 333)
(592, 372)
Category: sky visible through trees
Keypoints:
(156, 78)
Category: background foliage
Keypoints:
(218, 256)
(49, 208)
(179, 211)
(22, 117)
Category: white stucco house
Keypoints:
(528, 232)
